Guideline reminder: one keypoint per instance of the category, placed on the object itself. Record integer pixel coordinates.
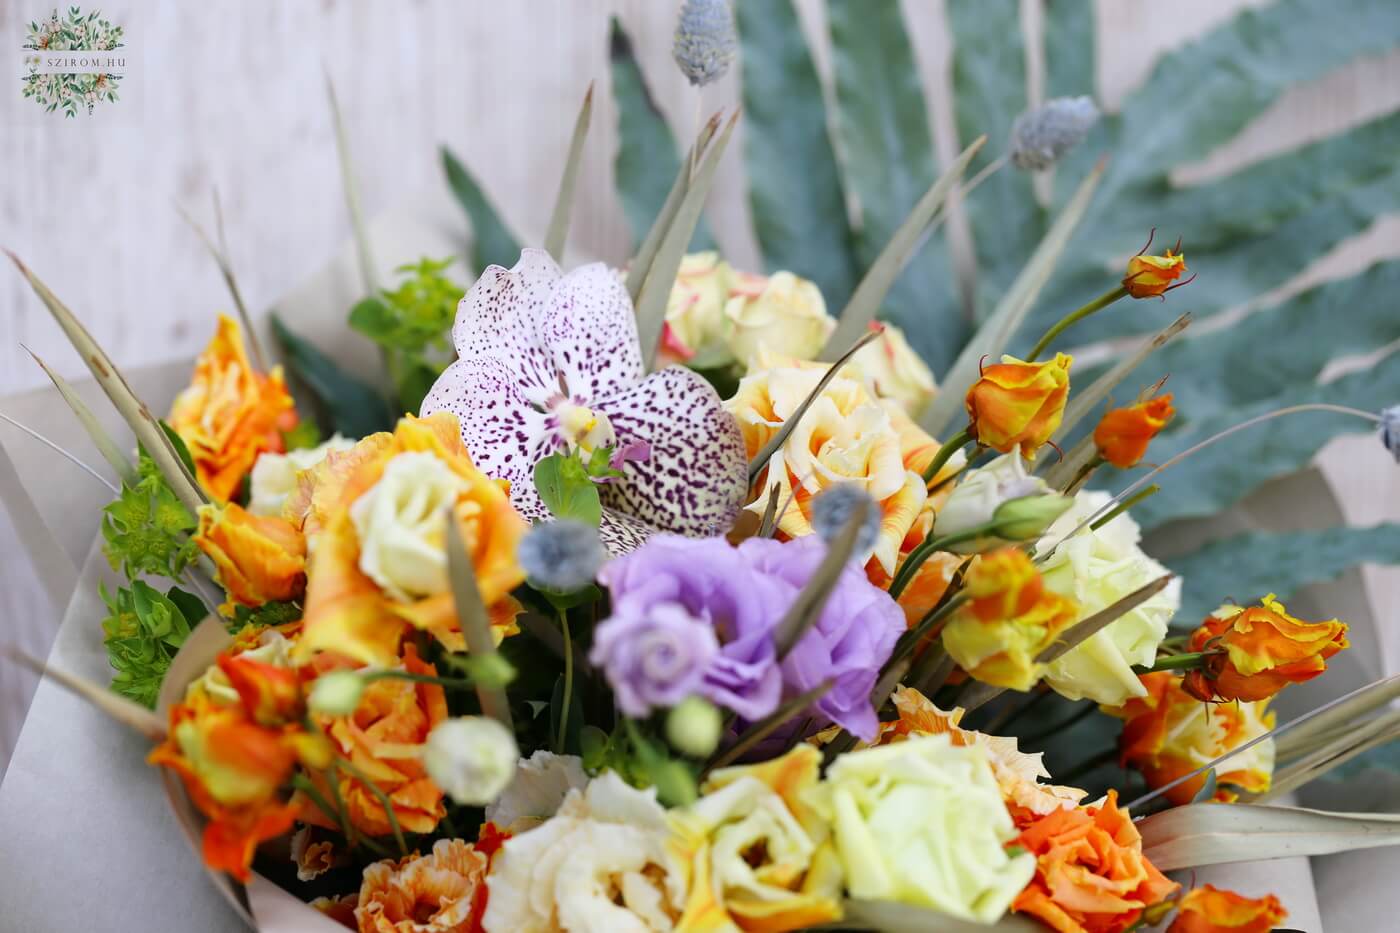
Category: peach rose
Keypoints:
(1208, 909)
(895, 371)
(781, 313)
(1018, 405)
(442, 892)
(259, 559)
(230, 413)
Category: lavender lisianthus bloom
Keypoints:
(850, 641)
(711, 583)
(654, 658)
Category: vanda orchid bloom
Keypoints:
(549, 361)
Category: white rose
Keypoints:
(890, 365)
(975, 499)
(1096, 569)
(541, 783)
(274, 476)
(472, 758)
(783, 314)
(601, 863)
(401, 525)
(695, 307)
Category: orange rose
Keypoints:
(383, 740)
(1123, 434)
(1003, 652)
(1264, 650)
(346, 610)
(270, 693)
(1002, 584)
(1168, 733)
(1018, 405)
(1090, 873)
(442, 892)
(230, 413)
(1210, 910)
(260, 559)
(1150, 276)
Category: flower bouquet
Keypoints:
(654, 601)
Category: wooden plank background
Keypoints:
(231, 94)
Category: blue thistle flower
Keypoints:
(1390, 430)
(832, 509)
(562, 555)
(1041, 136)
(705, 40)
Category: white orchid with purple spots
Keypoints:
(550, 362)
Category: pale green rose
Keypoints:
(1096, 569)
(922, 822)
(782, 314)
(695, 319)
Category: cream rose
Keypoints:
(695, 322)
(782, 314)
(1096, 569)
(274, 476)
(601, 863)
(401, 525)
(895, 371)
(922, 822)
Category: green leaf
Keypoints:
(566, 489)
(145, 530)
(354, 408)
(1246, 567)
(795, 187)
(181, 450)
(372, 317)
(647, 157)
(264, 615)
(888, 164)
(142, 632)
(989, 92)
(190, 606)
(492, 242)
(305, 434)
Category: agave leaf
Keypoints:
(888, 163)
(661, 276)
(1246, 566)
(991, 339)
(1356, 740)
(110, 450)
(139, 418)
(492, 241)
(351, 185)
(989, 91)
(355, 409)
(647, 161)
(558, 230)
(473, 619)
(891, 917)
(118, 708)
(1339, 716)
(1201, 834)
(798, 216)
(811, 599)
(1068, 30)
(875, 285)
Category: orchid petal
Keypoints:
(501, 317)
(591, 332)
(697, 475)
(622, 533)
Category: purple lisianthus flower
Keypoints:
(851, 640)
(655, 658)
(712, 583)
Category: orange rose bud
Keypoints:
(1124, 433)
(1210, 910)
(1002, 584)
(1150, 276)
(1016, 404)
(1265, 650)
(260, 558)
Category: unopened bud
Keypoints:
(336, 693)
(489, 670)
(1026, 518)
(693, 726)
(471, 758)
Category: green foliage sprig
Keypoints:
(147, 529)
(143, 630)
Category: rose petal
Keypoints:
(501, 317)
(591, 332)
(697, 475)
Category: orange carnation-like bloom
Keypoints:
(1002, 584)
(1123, 434)
(1168, 733)
(442, 892)
(230, 413)
(259, 558)
(1018, 405)
(1150, 276)
(1090, 873)
(349, 614)
(1210, 910)
(1264, 650)
(383, 740)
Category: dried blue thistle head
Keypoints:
(705, 40)
(562, 555)
(1390, 430)
(832, 509)
(1041, 136)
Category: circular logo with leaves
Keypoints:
(87, 84)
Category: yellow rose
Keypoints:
(1004, 651)
(845, 437)
(274, 475)
(695, 320)
(922, 822)
(781, 314)
(895, 370)
(1017, 404)
(259, 559)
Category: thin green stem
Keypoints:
(945, 453)
(1074, 317)
(568, 683)
(457, 683)
(380, 796)
(1176, 662)
(1123, 506)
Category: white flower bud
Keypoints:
(693, 726)
(336, 693)
(472, 758)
